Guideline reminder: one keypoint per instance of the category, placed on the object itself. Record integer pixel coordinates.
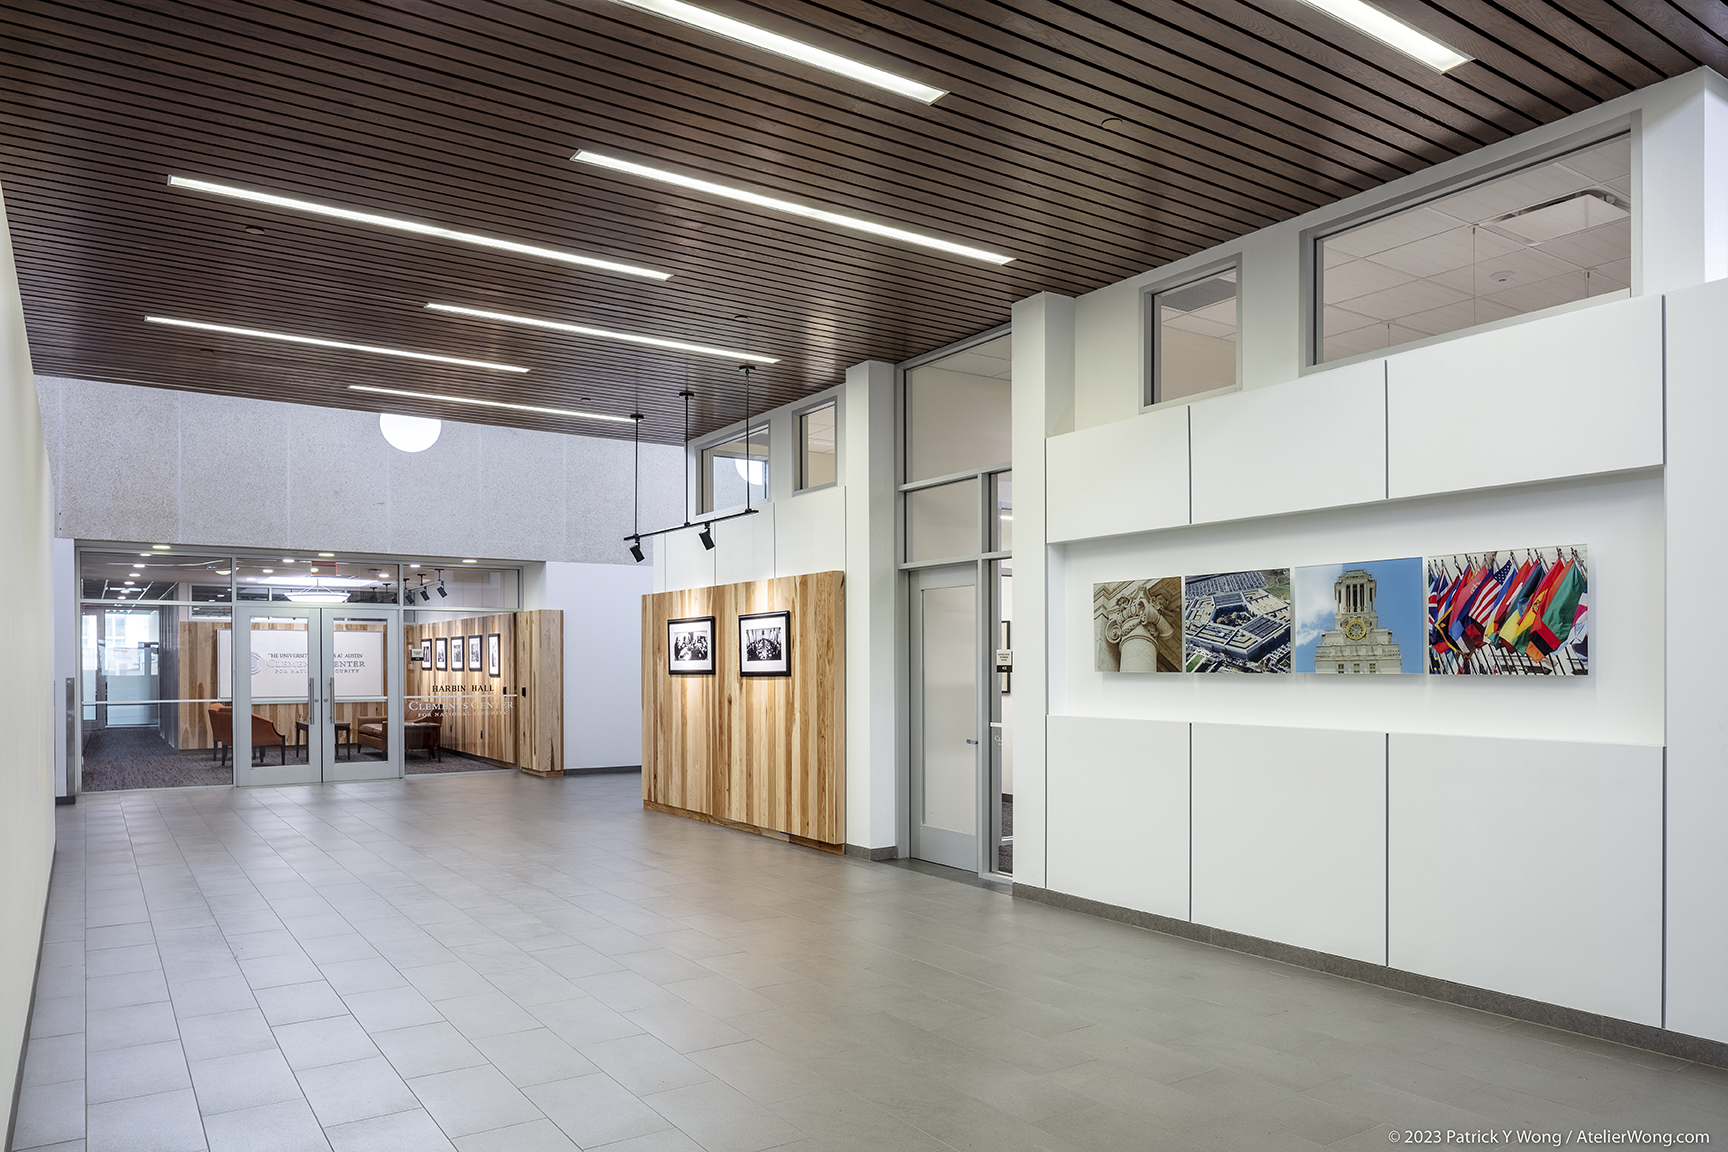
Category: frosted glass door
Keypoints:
(946, 760)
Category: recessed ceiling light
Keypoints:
(604, 334)
(266, 570)
(786, 46)
(134, 573)
(415, 227)
(129, 583)
(287, 559)
(1394, 33)
(326, 553)
(319, 342)
(770, 202)
(470, 561)
(488, 403)
(160, 547)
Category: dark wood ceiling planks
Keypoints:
(1091, 139)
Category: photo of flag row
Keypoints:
(1521, 612)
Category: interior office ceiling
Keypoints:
(1090, 140)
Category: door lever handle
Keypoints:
(971, 741)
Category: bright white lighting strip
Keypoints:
(1393, 33)
(489, 403)
(822, 214)
(412, 226)
(320, 343)
(627, 337)
(785, 46)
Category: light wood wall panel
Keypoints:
(539, 655)
(764, 752)
(479, 710)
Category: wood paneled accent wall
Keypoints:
(765, 753)
(516, 717)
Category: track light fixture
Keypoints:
(424, 595)
(707, 537)
(636, 549)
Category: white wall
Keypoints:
(137, 463)
(26, 675)
(602, 606)
(1555, 838)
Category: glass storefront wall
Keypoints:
(156, 658)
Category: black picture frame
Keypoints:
(495, 654)
(699, 659)
(440, 654)
(475, 642)
(765, 644)
(426, 654)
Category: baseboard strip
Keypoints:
(737, 826)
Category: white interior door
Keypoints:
(947, 758)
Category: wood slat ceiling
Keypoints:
(1091, 139)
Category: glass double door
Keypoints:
(321, 687)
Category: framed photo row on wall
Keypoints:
(474, 664)
(440, 654)
(1515, 612)
(690, 646)
(495, 654)
(426, 655)
(765, 644)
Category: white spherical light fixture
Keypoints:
(409, 433)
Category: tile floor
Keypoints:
(497, 963)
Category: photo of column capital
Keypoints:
(1137, 625)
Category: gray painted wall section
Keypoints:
(139, 463)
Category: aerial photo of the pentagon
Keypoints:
(1237, 622)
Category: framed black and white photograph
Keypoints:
(690, 646)
(495, 654)
(440, 654)
(426, 655)
(765, 644)
(474, 664)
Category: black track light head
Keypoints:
(636, 550)
(707, 537)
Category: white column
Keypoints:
(1043, 405)
(866, 468)
(1683, 154)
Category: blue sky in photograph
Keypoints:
(1399, 598)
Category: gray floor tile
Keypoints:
(168, 1122)
(534, 1136)
(204, 997)
(54, 1059)
(470, 1100)
(147, 987)
(645, 1064)
(536, 1056)
(367, 975)
(427, 1048)
(343, 1093)
(722, 1119)
(442, 981)
(50, 1114)
(390, 1008)
(121, 960)
(297, 1003)
(315, 1043)
(412, 1131)
(595, 1110)
(130, 1026)
(243, 1080)
(58, 1016)
(285, 1127)
(225, 1034)
(144, 1070)
(487, 1014)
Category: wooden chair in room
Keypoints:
(421, 734)
(264, 734)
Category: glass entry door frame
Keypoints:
(936, 725)
(316, 706)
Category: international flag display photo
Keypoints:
(1518, 612)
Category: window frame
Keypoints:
(759, 432)
(1313, 269)
(799, 463)
(1150, 328)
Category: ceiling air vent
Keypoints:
(1541, 223)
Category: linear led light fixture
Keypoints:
(318, 342)
(785, 46)
(603, 334)
(1393, 33)
(488, 403)
(760, 201)
(400, 225)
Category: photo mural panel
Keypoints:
(1517, 612)
(1137, 625)
(1359, 619)
(1237, 622)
